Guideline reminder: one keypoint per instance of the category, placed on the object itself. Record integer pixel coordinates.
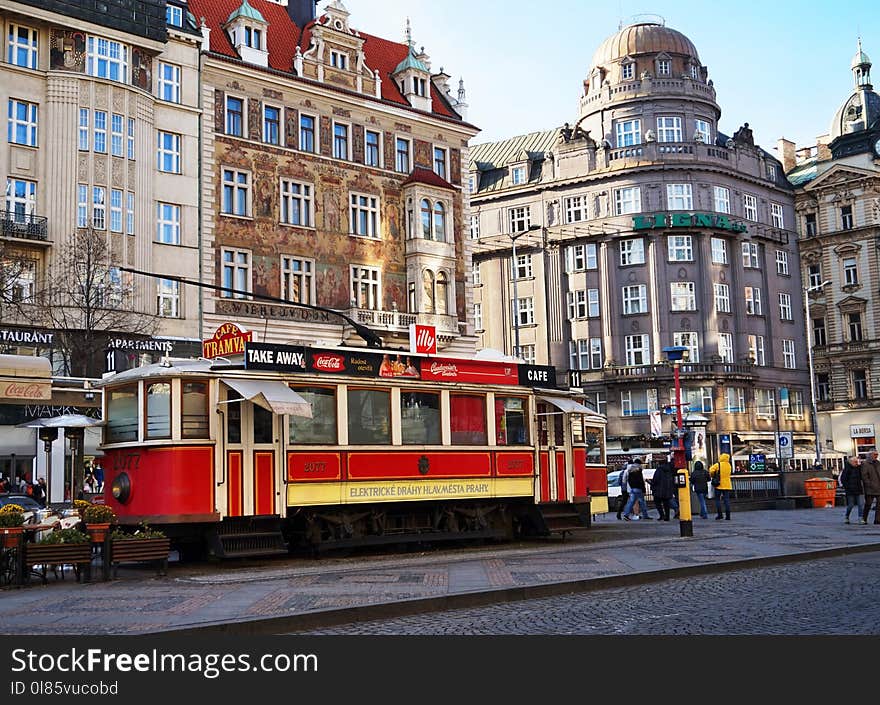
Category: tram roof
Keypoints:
(169, 367)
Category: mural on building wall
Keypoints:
(141, 69)
(67, 51)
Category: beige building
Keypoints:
(103, 133)
(641, 226)
(333, 168)
(838, 205)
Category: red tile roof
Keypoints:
(283, 36)
(426, 176)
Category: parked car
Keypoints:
(29, 504)
(614, 487)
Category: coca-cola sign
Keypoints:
(26, 390)
(328, 362)
(422, 339)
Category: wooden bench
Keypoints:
(57, 555)
(140, 551)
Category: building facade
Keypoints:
(838, 210)
(641, 226)
(333, 167)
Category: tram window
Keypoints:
(369, 417)
(558, 428)
(420, 418)
(321, 428)
(511, 425)
(577, 429)
(595, 441)
(233, 417)
(122, 415)
(159, 410)
(467, 420)
(195, 410)
(263, 419)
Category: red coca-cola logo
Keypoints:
(20, 390)
(328, 363)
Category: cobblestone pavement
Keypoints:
(834, 596)
(295, 594)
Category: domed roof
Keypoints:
(643, 38)
(861, 58)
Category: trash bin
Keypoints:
(821, 490)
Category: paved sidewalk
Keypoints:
(292, 594)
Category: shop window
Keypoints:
(420, 418)
(122, 415)
(511, 425)
(321, 428)
(195, 410)
(159, 410)
(467, 416)
(369, 417)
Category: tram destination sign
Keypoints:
(687, 220)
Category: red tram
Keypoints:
(303, 447)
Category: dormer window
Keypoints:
(420, 87)
(628, 71)
(518, 175)
(253, 38)
(247, 29)
(664, 67)
(338, 60)
(695, 71)
(174, 16)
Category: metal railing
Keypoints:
(756, 486)
(24, 225)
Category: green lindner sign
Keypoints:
(687, 220)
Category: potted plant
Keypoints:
(144, 544)
(11, 523)
(59, 548)
(98, 518)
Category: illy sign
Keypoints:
(422, 339)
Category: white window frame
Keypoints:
(313, 133)
(21, 197)
(29, 47)
(377, 163)
(524, 310)
(628, 132)
(777, 215)
(628, 71)
(581, 257)
(298, 274)
(632, 251)
(627, 200)
(850, 271)
(475, 226)
(99, 208)
(339, 60)
(751, 255)
(518, 175)
(596, 356)
(342, 142)
(297, 197)
(242, 125)
(233, 185)
(635, 299)
(132, 126)
(725, 348)
(680, 197)
(168, 87)
(664, 67)
(722, 297)
(106, 57)
(522, 267)
(577, 304)
(683, 296)
(579, 354)
(719, 250)
(756, 349)
(637, 350)
(785, 310)
(519, 219)
(168, 298)
(117, 134)
(680, 248)
(366, 287)
(669, 129)
(735, 398)
(722, 199)
(168, 223)
(99, 139)
(765, 403)
(116, 210)
(752, 298)
(592, 303)
(168, 152)
(174, 15)
(789, 360)
(575, 208)
(363, 205)
(235, 270)
(82, 206)
(688, 339)
(750, 206)
(478, 317)
(29, 124)
(441, 165)
(129, 213)
(704, 128)
(279, 136)
(400, 155)
(84, 133)
(782, 262)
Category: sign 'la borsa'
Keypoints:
(687, 220)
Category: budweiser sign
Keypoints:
(423, 339)
(326, 362)
(439, 369)
(26, 390)
(228, 339)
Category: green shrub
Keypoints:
(65, 536)
(142, 532)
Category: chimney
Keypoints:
(785, 151)
(302, 12)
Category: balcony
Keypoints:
(399, 322)
(697, 370)
(24, 226)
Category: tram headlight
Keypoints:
(121, 488)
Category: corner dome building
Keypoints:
(640, 225)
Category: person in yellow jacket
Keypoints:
(720, 475)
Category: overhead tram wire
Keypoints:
(370, 337)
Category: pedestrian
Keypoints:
(700, 483)
(871, 482)
(720, 474)
(850, 480)
(99, 477)
(636, 481)
(624, 490)
(663, 488)
(89, 483)
(39, 494)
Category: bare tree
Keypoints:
(88, 299)
(18, 274)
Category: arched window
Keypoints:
(439, 222)
(428, 285)
(426, 219)
(442, 294)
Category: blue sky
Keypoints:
(782, 66)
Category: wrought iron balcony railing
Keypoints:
(24, 225)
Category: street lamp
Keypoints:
(513, 238)
(807, 291)
(675, 355)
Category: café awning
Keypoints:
(569, 406)
(25, 378)
(275, 396)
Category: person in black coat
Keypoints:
(663, 488)
(700, 483)
(851, 481)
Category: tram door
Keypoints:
(251, 457)
(554, 461)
